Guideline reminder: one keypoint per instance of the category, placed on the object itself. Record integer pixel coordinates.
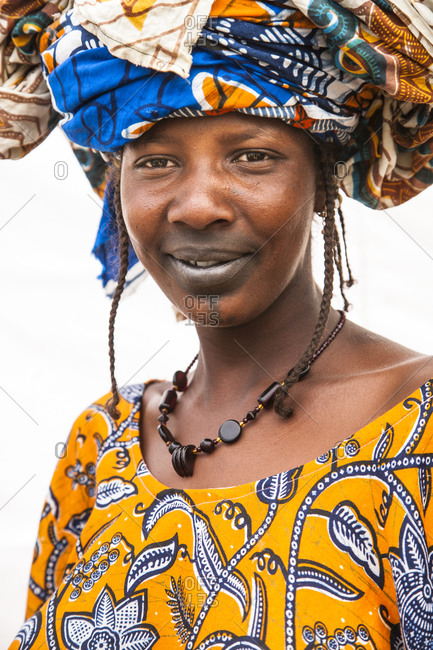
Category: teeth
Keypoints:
(199, 263)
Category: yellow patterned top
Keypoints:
(335, 554)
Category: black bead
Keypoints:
(162, 418)
(175, 459)
(168, 400)
(183, 459)
(180, 380)
(230, 431)
(250, 415)
(173, 445)
(266, 398)
(207, 445)
(188, 459)
(165, 433)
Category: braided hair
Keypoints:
(332, 257)
(326, 157)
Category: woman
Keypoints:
(310, 529)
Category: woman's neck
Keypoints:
(251, 356)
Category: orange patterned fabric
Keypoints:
(335, 554)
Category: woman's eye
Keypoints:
(253, 156)
(156, 163)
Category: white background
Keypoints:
(54, 316)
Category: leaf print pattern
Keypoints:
(182, 612)
(208, 554)
(354, 535)
(280, 487)
(167, 501)
(259, 607)
(237, 586)
(312, 575)
(425, 486)
(113, 491)
(384, 445)
(153, 560)
(28, 632)
(210, 561)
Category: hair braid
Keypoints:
(330, 237)
(350, 281)
(339, 266)
(114, 178)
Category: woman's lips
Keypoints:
(205, 276)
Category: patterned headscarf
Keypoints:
(357, 73)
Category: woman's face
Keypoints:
(234, 193)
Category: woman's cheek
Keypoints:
(138, 221)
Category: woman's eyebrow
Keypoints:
(156, 137)
(237, 136)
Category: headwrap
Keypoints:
(356, 73)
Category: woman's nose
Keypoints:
(202, 198)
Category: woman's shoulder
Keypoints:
(360, 381)
(130, 396)
(94, 423)
(386, 366)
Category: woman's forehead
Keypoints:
(230, 126)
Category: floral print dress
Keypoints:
(335, 554)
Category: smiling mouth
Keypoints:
(203, 263)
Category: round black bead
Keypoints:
(173, 445)
(207, 445)
(230, 431)
(168, 400)
(165, 433)
(180, 380)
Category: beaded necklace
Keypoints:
(183, 456)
